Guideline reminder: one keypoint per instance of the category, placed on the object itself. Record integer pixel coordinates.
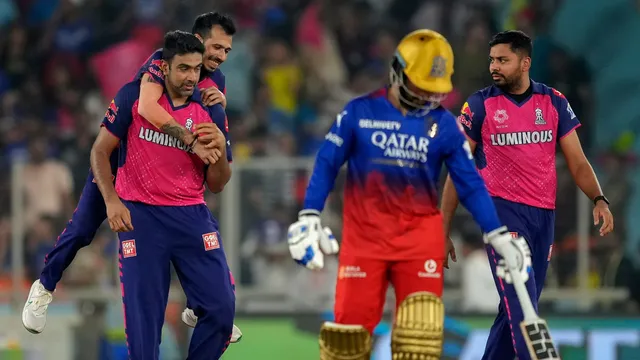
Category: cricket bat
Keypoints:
(534, 329)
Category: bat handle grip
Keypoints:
(523, 296)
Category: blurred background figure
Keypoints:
(293, 66)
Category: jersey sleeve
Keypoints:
(472, 116)
(567, 119)
(223, 84)
(153, 67)
(333, 153)
(219, 117)
(469, 185)
(119, 115)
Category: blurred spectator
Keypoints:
(40, 240)
(267, 252)
(479, 294)
(48, 184)
(471, 66)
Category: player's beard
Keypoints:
(507, 84)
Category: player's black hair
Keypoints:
(516, 39)
(205, 22)
(180, 43)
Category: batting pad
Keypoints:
(418, 331)
(344, 342)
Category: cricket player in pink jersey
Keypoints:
(157, 207)
(513, 128)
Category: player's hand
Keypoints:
(601, 212)
(212, 96)
(211, 135)
(449, 251)
(208, 156)
(309, 241)
(119, 216)
(515, 252)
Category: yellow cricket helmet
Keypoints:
(424, 58)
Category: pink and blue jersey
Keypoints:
(155, 168)
(516, 141)
(153, 67)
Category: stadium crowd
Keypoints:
(293, 65)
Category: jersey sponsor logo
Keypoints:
(210, 241)
(129, 248)
(401, 146)
(500, 116)
(334, 138)
(522, 138)
(379, 124)
(572, 115)
(462, 120)
(349, 272)
(112, 112)
(466, 110)
(160, 138)
(430, 270)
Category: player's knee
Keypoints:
(341, 342)
(419, 327)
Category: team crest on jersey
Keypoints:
(439, 67)
(539, 117)
(189, 124)
(500, 116)
(514, 235)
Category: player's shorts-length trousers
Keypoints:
(536, 225)
(79, 232)
(362, 286)
(188, 238)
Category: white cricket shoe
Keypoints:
(34, 314)
(190, 319)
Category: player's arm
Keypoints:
(219, 173)
(467, 184)
(306, 236)
(114, 127)
(579, 166)
(151, 90)
(474, 196)
(333, 153)
(470, 119)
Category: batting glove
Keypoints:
(309, 241)
(515, 252)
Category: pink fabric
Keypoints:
(525, 173)
(157, 169)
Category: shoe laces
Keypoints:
(40, 301)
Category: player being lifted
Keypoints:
(215, 30)
(395, 141)
(513, 128)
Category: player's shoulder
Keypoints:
(367, 101)
(130, 90)
(483, 95)
(156, 55)
(543, 89)
(445, 119)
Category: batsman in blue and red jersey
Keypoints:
(395, 142)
